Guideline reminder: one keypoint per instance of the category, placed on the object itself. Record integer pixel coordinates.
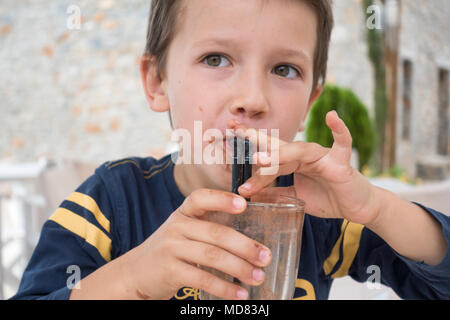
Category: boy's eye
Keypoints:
(216, 60)
(285, 71)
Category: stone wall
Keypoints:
(425, 42)
(75, 93)
(348, 62)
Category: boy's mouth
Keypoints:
(227, 146)
(227, 152)
(226, 143)
(227, 149)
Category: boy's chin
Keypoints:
(220, 175)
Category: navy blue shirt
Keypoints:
(125, 201)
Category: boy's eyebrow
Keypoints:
(217, 41)
(285, 52)
(294, 53)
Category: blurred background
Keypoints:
(71, 98)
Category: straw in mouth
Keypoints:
(242, 167)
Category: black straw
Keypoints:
(237, 168)
(247, 159)
(242, 167)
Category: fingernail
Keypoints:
(264, 256)
(258, 275)
(242, 294)
(238, 203)
(246, 186)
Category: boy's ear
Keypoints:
(316, 94)
(154, 88)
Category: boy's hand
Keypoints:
(167, 260)
(323, 177)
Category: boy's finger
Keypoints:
(203, 200)
(298, 151)
(341, 150)
(258, 137)
(227, 238)
(260, 180)
(211, 256)
(272, 192)
(196, 278)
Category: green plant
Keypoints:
(354, 114)
(375, 49)
(396, 171)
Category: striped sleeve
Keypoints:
(81, 215)
(344, 250)
(360, 253)
(77, 236)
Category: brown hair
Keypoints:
(162, 27)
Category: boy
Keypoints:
(133, 228)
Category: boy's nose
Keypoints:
(248, 111)
(253, 103)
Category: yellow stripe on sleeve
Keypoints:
(308, 287)
(86, 230)
(331, 261)
(352, 237)
(166, 165)
(89, 203)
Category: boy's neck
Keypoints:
(184, 178)
(188, 178)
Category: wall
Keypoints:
(425, 42)
(75, 93)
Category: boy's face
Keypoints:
(246, 60)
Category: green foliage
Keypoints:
(396, 171)
(354, 114)
(375, 48)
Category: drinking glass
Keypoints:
(276, 222)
